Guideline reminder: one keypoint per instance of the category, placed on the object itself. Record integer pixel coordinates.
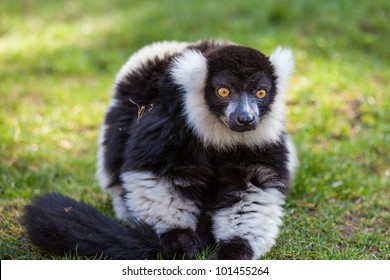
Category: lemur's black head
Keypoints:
(240, 86)
(232, 94)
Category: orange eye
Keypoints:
(223, 92)
(261, 93)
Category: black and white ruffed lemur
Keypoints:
(193, 150)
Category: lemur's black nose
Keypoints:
(244, 117)
(246, 120)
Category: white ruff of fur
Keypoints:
(259, 225)
(189, 71)
(158, 50)
(154, 201)
(283, 62)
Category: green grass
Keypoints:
(57, 64)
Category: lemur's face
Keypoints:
(240, 92)
(233, 95)
(240, 101)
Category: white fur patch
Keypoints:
(101, 174)
(292, 156)
(156, 50)
(259, 225)
(189, 71)
(118, 203)
(154, 201)
(283, 62)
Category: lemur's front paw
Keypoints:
(181, 243)
(233, 249)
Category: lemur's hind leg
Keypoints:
(156, 202)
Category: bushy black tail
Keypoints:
(60, 224)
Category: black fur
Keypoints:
(236, 246)
(60, 225)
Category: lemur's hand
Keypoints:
(185, 242)
(234, 249)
